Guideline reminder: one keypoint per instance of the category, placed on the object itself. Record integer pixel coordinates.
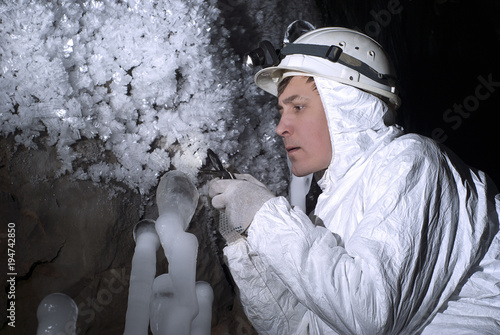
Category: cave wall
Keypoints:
(75, 237)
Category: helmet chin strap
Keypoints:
(335, 54)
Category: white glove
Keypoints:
(239, 198)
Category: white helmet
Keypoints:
(344, 55)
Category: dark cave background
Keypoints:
(439, 48)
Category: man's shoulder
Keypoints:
(413, 146)
(410, 152)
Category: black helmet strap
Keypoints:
(335, 54)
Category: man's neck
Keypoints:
(319, 174)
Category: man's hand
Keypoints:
(240, 198)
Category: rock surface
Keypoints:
(75, 237)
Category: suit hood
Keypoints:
(358, 123)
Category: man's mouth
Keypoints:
(291, 149)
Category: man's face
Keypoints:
(303, 127)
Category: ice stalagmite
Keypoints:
(177, 198)
(57, 314)
(163, 304)
(202, 324)
(141, 278)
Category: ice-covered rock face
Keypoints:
(153, 84)
(154, 81)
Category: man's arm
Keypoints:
(268, 304)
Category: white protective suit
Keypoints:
(401, 225)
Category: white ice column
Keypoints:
(141, 278)
(57, 314)
(163, 304)
(177, 198)
(202, 324)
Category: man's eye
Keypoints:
(298, 108)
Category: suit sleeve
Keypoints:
(268, 304)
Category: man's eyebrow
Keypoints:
(291, 99)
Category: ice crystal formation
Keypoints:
(128, 90)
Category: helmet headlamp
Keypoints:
(265, 55)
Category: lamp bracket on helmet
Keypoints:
(335, 54)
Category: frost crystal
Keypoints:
(154, 81)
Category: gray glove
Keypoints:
(239, 198)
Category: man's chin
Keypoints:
(300, 173)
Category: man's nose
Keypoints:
(284, 127)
